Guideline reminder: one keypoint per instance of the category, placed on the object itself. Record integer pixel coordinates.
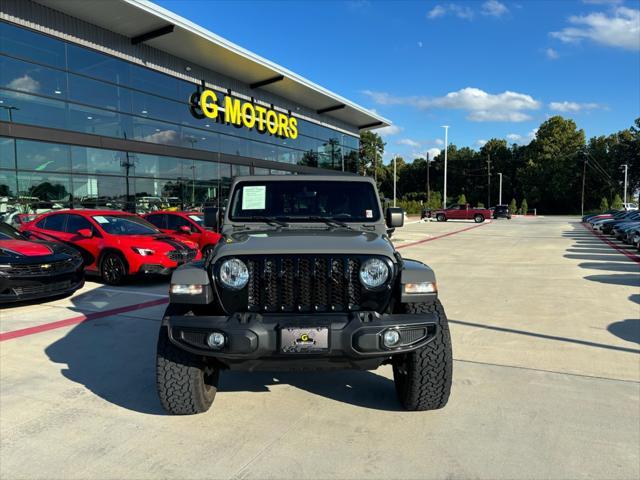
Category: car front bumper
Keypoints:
(18, 289)
(254, 337)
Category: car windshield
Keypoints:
(199, 219)
(304, 200)
(125, 225)
(7, 232)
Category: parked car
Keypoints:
(32, 269)
(629, 206)
(115, 244)
(462, 212)
(607, 225)
(188, 225)
(501, 211)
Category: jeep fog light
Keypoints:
(390, 338)
(423, 287)
(216, 340)
(186, 289)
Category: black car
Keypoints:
(501, 211)
(35, 269)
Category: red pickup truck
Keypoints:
(462, 212)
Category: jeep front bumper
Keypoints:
(250, 336)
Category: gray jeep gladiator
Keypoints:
(305, 277)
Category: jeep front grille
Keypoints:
(303, 283)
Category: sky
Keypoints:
(488, 69)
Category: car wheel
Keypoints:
(478, 218)
(423, 377)
(186, 384)
(113, 269)
(441, 218)
(206, 251)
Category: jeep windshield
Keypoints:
(304, 201)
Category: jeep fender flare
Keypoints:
(414, 271)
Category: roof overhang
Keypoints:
(141, 19)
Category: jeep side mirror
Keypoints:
(211, 217)
(184, 229)
(395, 217)
(85, 233)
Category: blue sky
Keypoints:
(486, 68)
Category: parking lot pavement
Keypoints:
(545, 324)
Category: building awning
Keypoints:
(148, 23)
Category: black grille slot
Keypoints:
(410, 336)
(47, 288)
(182, 255)
(291, 283)
(34, 269)
(195, 338)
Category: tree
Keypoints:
(371, 152)
(524, 206)
(604, 204)
(513, 206)
(462, 200)
(617, 203)
(435, 201)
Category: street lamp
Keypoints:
(395, 158)
(10, 109)
(626, 167)
(446, 147)
(500, 194)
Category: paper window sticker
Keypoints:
(368, 213)
(254, 197)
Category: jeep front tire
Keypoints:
(186, 384)
(423, 377)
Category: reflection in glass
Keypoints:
(6, 153)
(31, 78)
(44, 190)
(43, 157)
(95, 191)
(24, 43)
(95, 160)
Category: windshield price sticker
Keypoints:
(100, 219)
(254, 197)
(368, 213)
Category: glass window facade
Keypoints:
(52, 83)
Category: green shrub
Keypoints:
(513, 207)
(617, 203)
(524, 207)
(604, 204)
(462, 200)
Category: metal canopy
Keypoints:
(196, 45)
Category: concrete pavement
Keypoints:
(545, 320)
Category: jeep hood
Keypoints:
(308, 241)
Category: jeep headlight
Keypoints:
(234, 274)
(374, 273)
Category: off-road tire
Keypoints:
(186, 384)
(423, 377)
(441, 218)
(478, 218)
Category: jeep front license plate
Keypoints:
(304, 340)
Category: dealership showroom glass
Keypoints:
(151, 112)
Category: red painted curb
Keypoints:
(604, 239)
(431, 239)
(23, 332)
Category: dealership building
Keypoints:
(120, 103)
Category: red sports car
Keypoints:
(35, 269)
(115, 244)
(189, 225)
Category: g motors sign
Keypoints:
(207, 104)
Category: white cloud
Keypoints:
(621, 29)
(439, 142)
(408, 142)
(24, 83)
(494, 8)
(420, 44)
(522, 139)
(481, 142)
(482, 106)
(387, 131)
(459, 11)
(551, 54)
(602, 2)
(433, 153)
(437, 11)
(573, 107)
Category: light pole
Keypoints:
(395, 158)
(446, 147)
(626, 167)
(500, 190)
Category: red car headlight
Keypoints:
(145, 252)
